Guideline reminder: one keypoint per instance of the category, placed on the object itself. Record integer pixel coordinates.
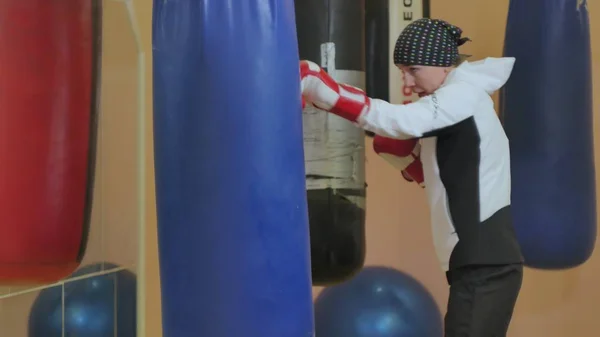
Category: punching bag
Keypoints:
(546, 108)
(377, 49)
(233, 229)
(331, 33)
(49, 71)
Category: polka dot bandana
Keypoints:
(429, 42)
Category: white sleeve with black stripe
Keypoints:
(449, 105)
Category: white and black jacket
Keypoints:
(466, 162)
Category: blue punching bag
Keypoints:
(230, 186)
(547, 113)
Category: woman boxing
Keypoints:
(465, 162)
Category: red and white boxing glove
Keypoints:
(402, 154)
(350, 102)
(326, 94)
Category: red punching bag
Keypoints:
(49, 70)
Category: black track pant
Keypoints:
(482, 299)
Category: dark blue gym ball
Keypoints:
(94, 307)
(378, 302)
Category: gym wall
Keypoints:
(552, 304)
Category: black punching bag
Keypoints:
(331, 33)
(381, 33)
(377, 55)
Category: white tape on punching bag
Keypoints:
(402, 13)
(334, 147)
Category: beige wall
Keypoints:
(552, 304)
(153, 326)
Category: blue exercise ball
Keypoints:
(378, 302)
(95, 306)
